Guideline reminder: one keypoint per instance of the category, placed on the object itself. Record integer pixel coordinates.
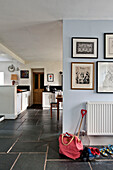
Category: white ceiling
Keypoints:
(32, 29)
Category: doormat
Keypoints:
(35, 106)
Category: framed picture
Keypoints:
(108, 45)
(50, 77)
(104, 77)
(84, 47)
(24, 74)
(82, 76)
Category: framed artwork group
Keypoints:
(82, 73)
(84, 47)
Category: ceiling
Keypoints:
(32, 29)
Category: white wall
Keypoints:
(49, 67)
(7, 75)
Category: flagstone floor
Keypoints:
(31, 143)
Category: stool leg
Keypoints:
(51, 110)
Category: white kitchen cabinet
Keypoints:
(24, 101)
(47, 98)
(19, 103)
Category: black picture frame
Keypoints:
(50, 77)
(108, 45)
(104, 72)
(24, 74)
(87, 47)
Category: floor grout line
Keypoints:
(59, 160)
(46, 158)
(90, 166)
(15, 161)
(12, 145)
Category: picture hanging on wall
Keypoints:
(50, 77)
(108, 45)
(24, 74)
(84, 47)
(82, 76)
(104, 77)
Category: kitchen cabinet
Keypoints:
(19, 103)
(24, 101)
(47, 98)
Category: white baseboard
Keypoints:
(2, 118)
(98, 140)
(9, 116)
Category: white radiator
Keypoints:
(99, 118)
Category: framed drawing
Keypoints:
(24, 74)
(104, 77)
(82, 76)
(50, 77)
(108, 45)
(84, 47)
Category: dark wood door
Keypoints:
(38, 87)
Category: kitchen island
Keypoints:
(11, 102)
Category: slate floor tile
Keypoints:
(49, 137)
(7, 160)
(29, 147)
(11, 126)
(6, 143)
(30, 162)
(102, 165)
(69, 165)
(29, 138)
(10, 133)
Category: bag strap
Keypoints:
(69, 141)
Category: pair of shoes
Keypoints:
(95, 152)
(91, 156)
(103, 152)
(109, 151)
(110, 147)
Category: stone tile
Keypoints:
(7, 160)
(11, 126)
(29, 147)
(30, 127)
(29, 138)
(67, 165)
(10, 133)
(30, 162)
(49, 137)
(102, 165)
(6, 143)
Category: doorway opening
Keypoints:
(38, 86)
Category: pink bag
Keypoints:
(70, 146)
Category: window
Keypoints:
(1, 78)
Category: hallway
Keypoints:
(31, 142)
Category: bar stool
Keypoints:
(53, 104)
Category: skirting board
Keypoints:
(104, 140)
(9, 116)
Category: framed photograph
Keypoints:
(50, 77)
(82, 76)
(24, 74)
(108, 45)
(84, 47)
(104, 77)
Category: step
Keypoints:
(2, 117)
